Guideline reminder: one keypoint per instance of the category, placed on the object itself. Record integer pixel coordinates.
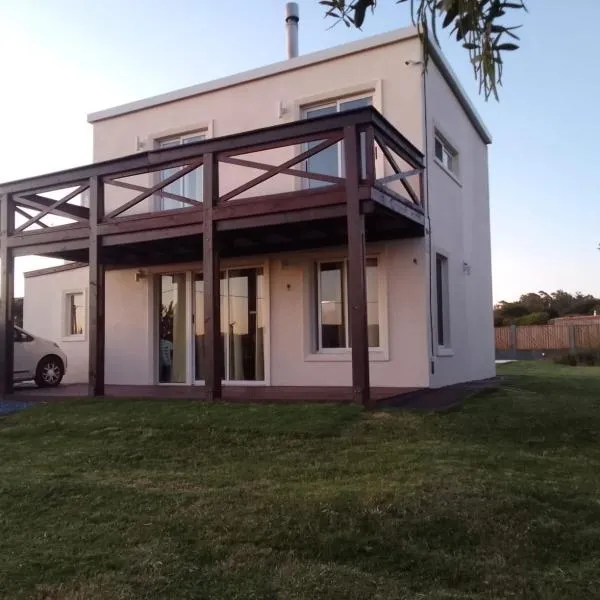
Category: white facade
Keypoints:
(409, 353)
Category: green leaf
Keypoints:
(360, 10)
(450, 15)
(508, 47)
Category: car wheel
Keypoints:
(49, 372)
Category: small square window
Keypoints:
(446, 154)
(75, 314)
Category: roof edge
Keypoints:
(382, 39)
(283, 66)
(52, 270)
(459, 91)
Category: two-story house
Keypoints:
(319, 224)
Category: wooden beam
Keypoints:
(140, 188)
(397, 169)
(397, 142)
(49, 248)
(242, 162)
(151, 222)
(69, 211)
(357, 287)
(398, 176)
(274, 203)
(247, 142)
(297, 216)
(21, 212)
(398, 204)
(96, 292)
(50, 209)
(155, 188)
(369, 167)
(213, 352)
(6, 297)
(135, 237)
(61, 233)
(280, 168)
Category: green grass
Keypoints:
(133, 499)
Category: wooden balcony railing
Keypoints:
(88, 209)
(260, 172)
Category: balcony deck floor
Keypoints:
(231, 393)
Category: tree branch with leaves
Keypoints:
(477, 24)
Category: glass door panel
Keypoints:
(326, 161)
(172, 329)
(245, 326)
(199, 349)
(242, 324)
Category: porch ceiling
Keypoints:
(326, 230)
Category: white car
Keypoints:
(38, 359)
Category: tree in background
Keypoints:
(477, 24)
(538, 308)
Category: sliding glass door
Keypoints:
(245, 325)
(172, 328)
(242, 324)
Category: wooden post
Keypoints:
(357, 288)
(368, 168)
(96, 292)
(213, 354)
(6, 297)
(572, 339)
(513, 341)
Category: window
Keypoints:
(189, 185)
(332, 301)
(446, 154)
(331, 160)
(443, 321)
(74, 314)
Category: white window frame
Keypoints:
(190, 270)
(181, 137)
(450, 161)
(318, 337)
(66, 316)
(444, 349)
(336, 102)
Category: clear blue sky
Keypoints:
(64, 58)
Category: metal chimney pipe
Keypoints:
(292, 16)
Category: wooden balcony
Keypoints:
(260, 194)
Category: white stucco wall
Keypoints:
(381, 72)
(128, 347)
(290, 313)
(44, 312)
(459, 215)
(460, 229)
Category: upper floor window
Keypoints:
(190, 185)
(331, 160)
(446, 154)
(332, 311)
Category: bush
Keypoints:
(538, 318)
(582, 358)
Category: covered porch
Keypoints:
(376, 195)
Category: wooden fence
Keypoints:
(555, 337)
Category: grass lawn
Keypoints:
(133, 499)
